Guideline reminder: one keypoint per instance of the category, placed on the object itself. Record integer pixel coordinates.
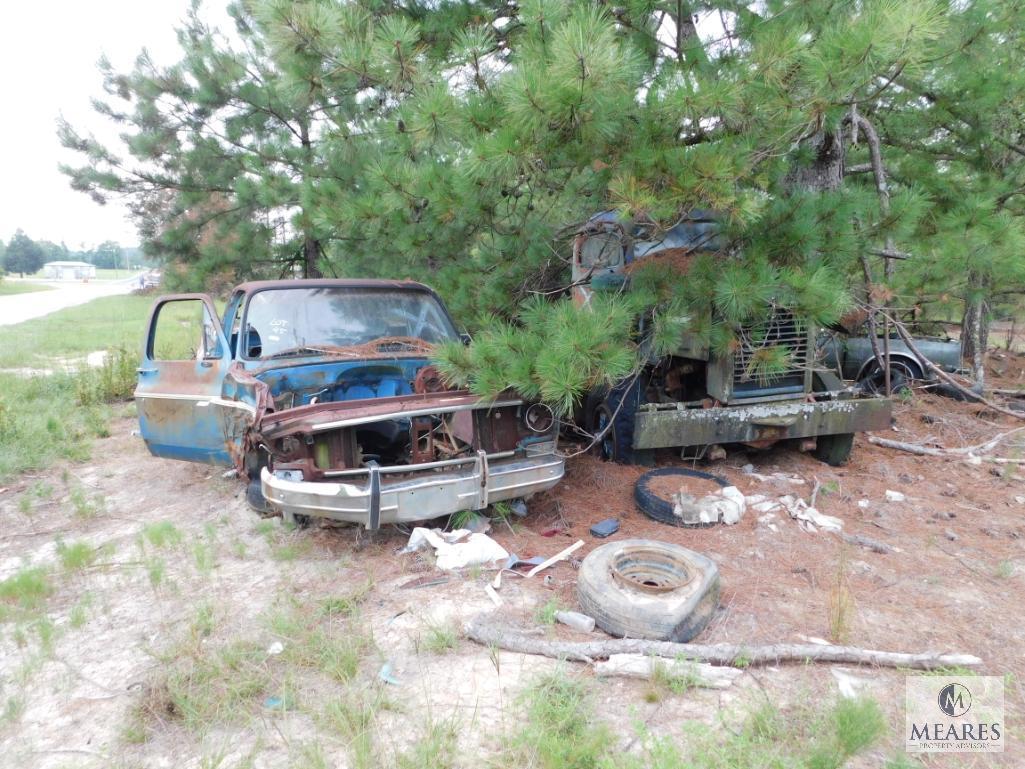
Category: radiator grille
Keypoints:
(781, 329)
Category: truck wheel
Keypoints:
(255, 498)
(642, 588)
(901, 376)
(834, 450)
(618, 407)
(659, 508)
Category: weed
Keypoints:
(206, 687)
(79, 613)
(435, 748)
(1005, 569)
(858, 723)
(13, 708)
(333, 648)
(287, 552)
(41, 490)
(28, 589)
(47, 633)
(346, 605)
(238, 547)
(559, 728)
(161, 534)
(841, 601)
(352, 717)
(113, 380)
(155, 568)
(308, 755)
(202, 624)
(25, 505)
(667, 677)
(76, 556)
(440, 638)
(545, 613)
(204, 555)
(84, 506)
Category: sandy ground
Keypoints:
(16, 308)
(956, 584)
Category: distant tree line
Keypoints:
(25, 256)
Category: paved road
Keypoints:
(18, 307)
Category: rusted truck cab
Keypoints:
(321, 393)
(696, 398)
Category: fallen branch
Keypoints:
(486, 630)
(939, 451)
(867, 542)
(924, 361)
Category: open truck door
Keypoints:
(185, 359)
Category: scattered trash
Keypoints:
(495, 598)
(950, 535)
(425, 581)
(605, 528)
(277, 703)
(850, 686)
(747, 469)
(232, 473)
(456, 549)
(275, 648)
(548, 581)
(556, 558)
(385, 675)
(864, 504)
(553, 531)
(576, 620)
(514, 561)
(680, 509)
(809, 517)
(1020, 500)
(726, 505)
(519, 508)
(777, 477)
(895, 496)
(496, 583)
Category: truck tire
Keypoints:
(834, 450)
(902, 375)
(618, 406)
(659, 508)
(642, 588)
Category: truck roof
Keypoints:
(261, 285)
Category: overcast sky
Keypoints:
(48, 55)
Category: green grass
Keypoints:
(161, 534)
(352, 716)
(314, 642)
(26, 590)
(109, 321)
(9, 288)
(77, 555)
(440, 638)
(545, 613)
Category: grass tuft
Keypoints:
(27, 589)
(77, 555)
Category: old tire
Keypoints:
(642, 588)
(255, 499)
(834, 450)
(618, 406)
(659, 508)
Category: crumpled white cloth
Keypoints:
(456, 549)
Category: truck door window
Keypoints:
(601, 250)
(185, 330)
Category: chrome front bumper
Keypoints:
(372, 499)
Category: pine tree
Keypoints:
(854, 154)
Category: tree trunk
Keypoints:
(825, 172)
(975, 336)
(311, 246)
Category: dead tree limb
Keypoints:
(928, 364)
(939, 451)
(488, 630)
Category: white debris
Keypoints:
(726, 505)
(809, 517)
(850, 686)
(275, 648)
(971, 459)
(452, 551)
(769, 506)
(895, 496)
(864, 504)
(1020, 500)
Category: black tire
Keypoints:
(902, 375)
(641, 588)
(659, 508)
(834, 450)
(618, 406)
(255, 498)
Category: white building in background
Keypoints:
(69, 270)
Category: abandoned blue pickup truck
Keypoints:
(321, 393)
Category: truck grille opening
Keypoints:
(772, 357)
